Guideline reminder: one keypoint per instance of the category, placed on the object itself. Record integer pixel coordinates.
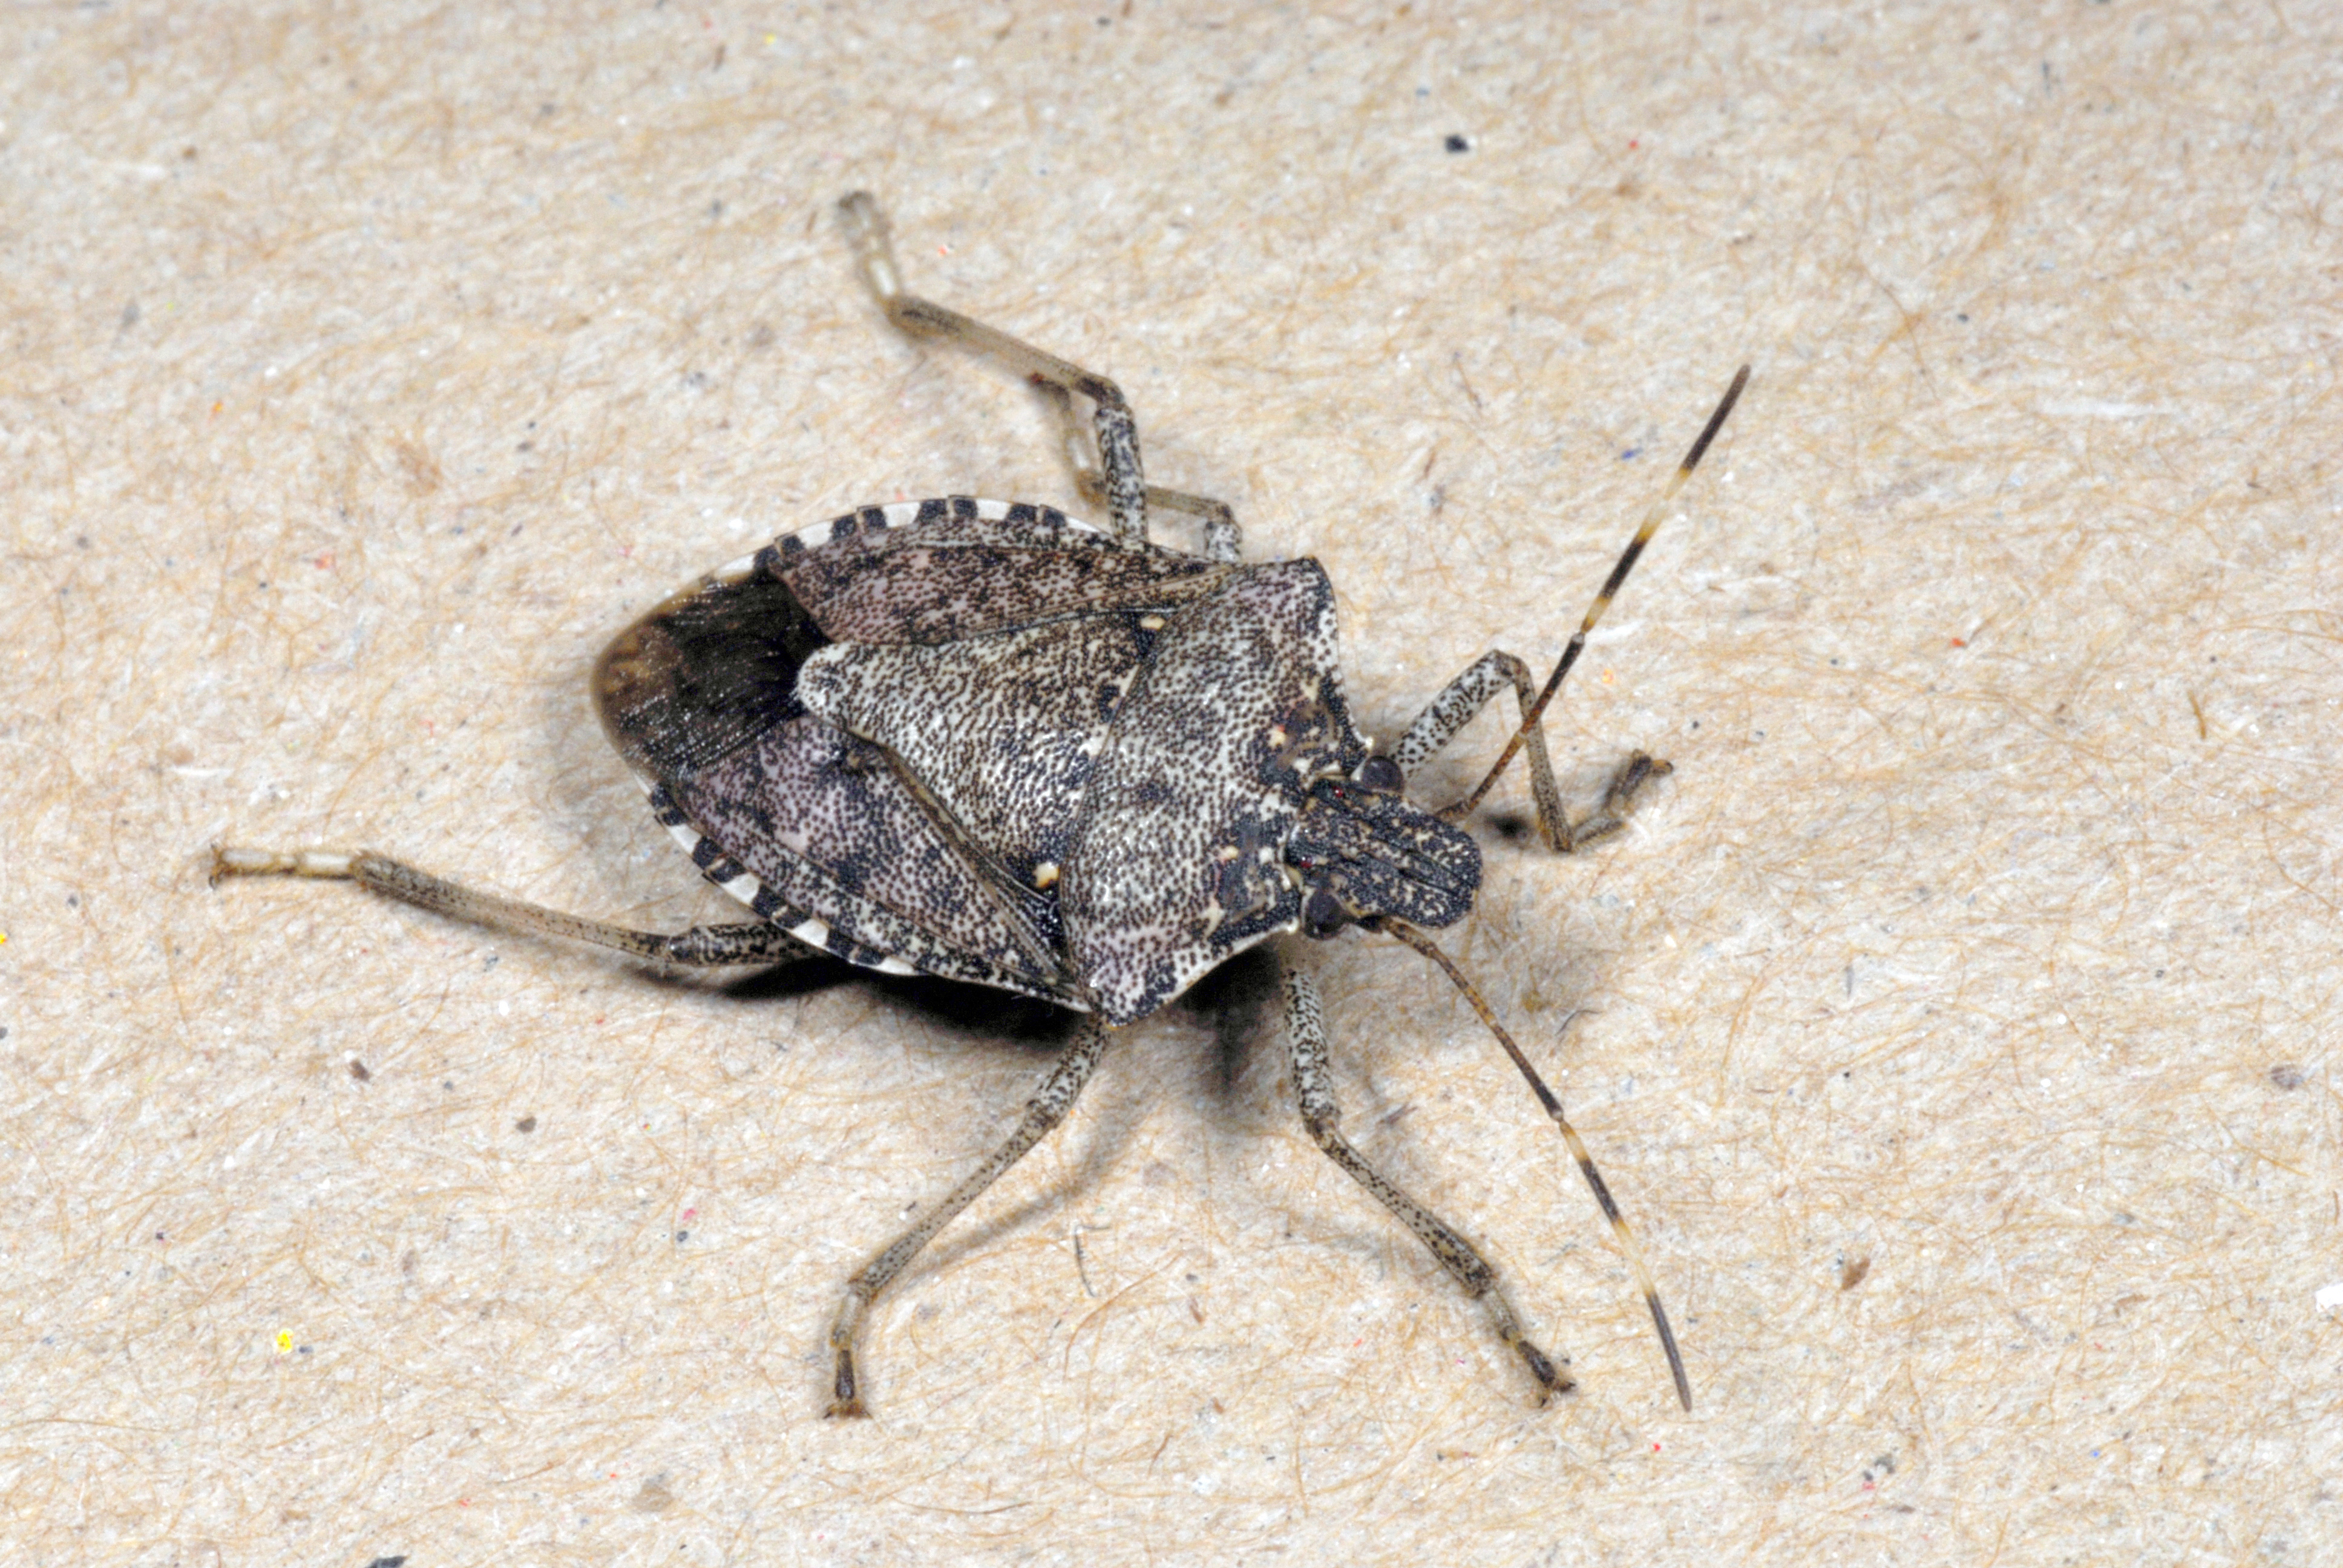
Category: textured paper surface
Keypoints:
(1955, 1021)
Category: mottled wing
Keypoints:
(819, 832)
(825, 824)
(1177, 862)
(1003, 729)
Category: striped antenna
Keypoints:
(1536, 714)
(1619, 1226)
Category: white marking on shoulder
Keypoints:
(991, 511)
(901, 514)
(813, 933)
(737, 571)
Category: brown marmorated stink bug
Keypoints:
(993, 744)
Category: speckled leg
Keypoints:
(1117, 433)
(1221, 536)
(701, 947)
(1459, 702)
(1049, 1106)
(1314, 1089)
(1462, 700)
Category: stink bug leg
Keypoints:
(1116, 479)
(1313, 1092)
(1050, 1102)
(701, 947)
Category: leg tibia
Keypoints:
(1117, 433)
(1456, 706)
(1314, 1093)
(703, 947)
(1462, 700)
(1043, 1111)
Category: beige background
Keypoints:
(1959, 1015)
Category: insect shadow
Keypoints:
(1233, 1003)
(968, 744)
(984, 1015)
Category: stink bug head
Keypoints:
(1363, 852)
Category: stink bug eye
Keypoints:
(1324, 914)
(993, 743)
